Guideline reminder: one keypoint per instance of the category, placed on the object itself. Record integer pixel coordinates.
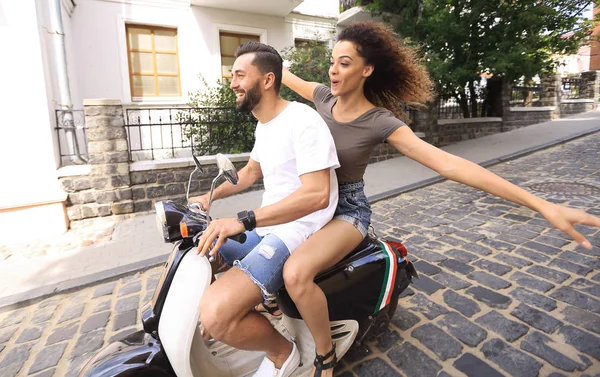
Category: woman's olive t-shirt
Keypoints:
(355, 140)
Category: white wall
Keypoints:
(97, 48)
(27, 156)
(321, 8)
(576, 63)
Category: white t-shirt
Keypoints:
(295, 142)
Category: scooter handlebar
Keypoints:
(241, 238)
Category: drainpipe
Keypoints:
(59, 54)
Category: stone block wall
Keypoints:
(571, 107)
(449, 131)
(591, 87)
(151, 186)
(384, 152)
(517, 117)
(106, 189)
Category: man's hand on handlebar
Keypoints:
(202, 200)
(219, 230)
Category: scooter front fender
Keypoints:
(181, 311)
(137, 355)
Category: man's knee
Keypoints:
(213, 316)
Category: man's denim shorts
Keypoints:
(353, 206)
(261, 258)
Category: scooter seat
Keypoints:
(361, 246)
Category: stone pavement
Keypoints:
(136, 244)
(501, 293)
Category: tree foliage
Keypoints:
(310, 62)
(509, 39)
(213, 125)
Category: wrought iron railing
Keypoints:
(163, 133)
(451, 108)
(572, 87)
(526, 95)
(71, 136)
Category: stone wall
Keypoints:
(384, 152)
(150, 186)
(450, 131)
(570, 107)
(517, 117)
(591, 87)
(106, 189)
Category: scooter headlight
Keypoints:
(161, 219)
(176, 221)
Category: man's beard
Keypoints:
(251, 99)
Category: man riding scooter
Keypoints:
(295, 155)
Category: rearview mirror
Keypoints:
(227, 169)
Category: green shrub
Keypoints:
(213, 125)
(309, 62)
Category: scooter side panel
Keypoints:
(352, 287)
(180, 313)
(138, 355)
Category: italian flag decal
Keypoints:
(390, 277)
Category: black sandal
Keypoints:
(271, 308)
(320, 359)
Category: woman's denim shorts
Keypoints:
(353, 206)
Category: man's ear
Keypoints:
(269, 80)
(368, 71)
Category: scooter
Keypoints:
(362, 293)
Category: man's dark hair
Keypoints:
(266, 59)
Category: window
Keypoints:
(153, 61)
(229, 43)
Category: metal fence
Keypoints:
(526, 95)
(572, 87)
(163, 133)
(450, 108)
(71, 136)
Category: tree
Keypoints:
(309, 61)
(507, 38)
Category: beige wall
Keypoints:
(595, 45)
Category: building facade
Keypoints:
(143, 53)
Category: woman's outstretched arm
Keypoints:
(304, 88)
(460, 170)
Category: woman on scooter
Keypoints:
(371, 75)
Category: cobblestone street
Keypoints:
(501, 293)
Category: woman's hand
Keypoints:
(563, 218)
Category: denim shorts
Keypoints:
(261, 258)
(353, 206)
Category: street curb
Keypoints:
(38, 294)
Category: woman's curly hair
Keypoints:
(399, 80)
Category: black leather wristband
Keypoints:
(248, 219)
(252, 218)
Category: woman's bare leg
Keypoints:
(322, 250)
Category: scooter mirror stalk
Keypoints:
(227, 170)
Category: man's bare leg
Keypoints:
(226, 313)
